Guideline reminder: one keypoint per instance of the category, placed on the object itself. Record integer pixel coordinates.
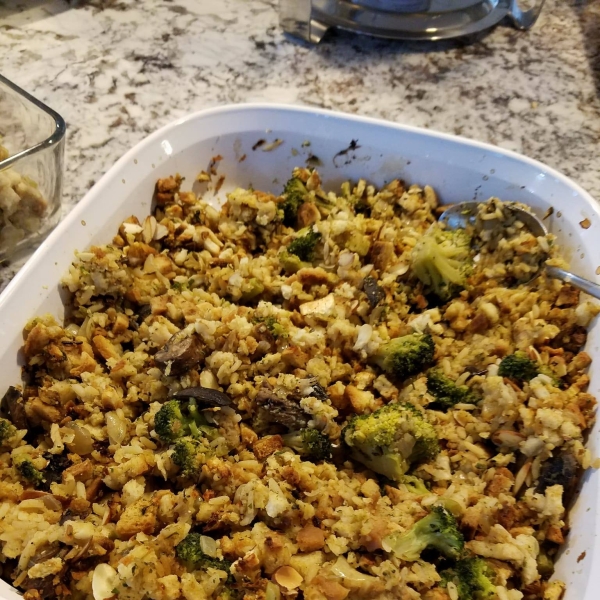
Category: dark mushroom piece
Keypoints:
(44, 586)
(180, 354)
(562, 469)
(44, 553)
(318, 391)
(142, 313)
(374, 292)
(57, 463)
(12, 403)
(283, 411)
(205, 397)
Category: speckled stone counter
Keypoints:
(119, 69)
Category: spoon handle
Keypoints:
(593, 289)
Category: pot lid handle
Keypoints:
(524, 19)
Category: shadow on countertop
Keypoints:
(336, 40)
(588, 12)
(25, 11)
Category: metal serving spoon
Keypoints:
(460, 215)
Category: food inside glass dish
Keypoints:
(22, 206)
(313, 395)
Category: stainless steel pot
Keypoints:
(403, 19)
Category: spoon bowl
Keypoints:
(459, 216)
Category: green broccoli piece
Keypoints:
(27, 471)
(230, 593)
(519, 367)
(177, 419)
(189, 454)
(546, 370)
(7, 430)
(276, 329)
(442, 261)
(304, 245)
(446, 392)
(388, 440)
(405, 356)
(545, 565)
(189, 552)
(291, 263)
(295, 193)
(473, 578)
(414, 484)
(437, 530)
(310, 443)
(251, 289)
(358, 242)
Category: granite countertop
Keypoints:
(119, 69)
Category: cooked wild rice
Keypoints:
(110, 506)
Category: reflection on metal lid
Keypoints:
(403, 19)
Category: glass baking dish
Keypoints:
(31, 169)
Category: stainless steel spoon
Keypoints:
(460, 215)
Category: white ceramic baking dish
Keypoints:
(259, 146)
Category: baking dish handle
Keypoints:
(524, 19)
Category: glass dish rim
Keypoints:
(55, 138)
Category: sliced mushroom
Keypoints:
(13, 405)
(205, 397)
(44, 587)
(562, 469)
(180, 354)
(318, 391)
(57, 464)
(44, 553)
(374, 292)
(282, 411)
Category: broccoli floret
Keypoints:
(545, 565)
(442, 260)
(230, 593)
(462, 589)
(414, 484)
(189, 454)
(388, 440)
(251, 289)
(304, 245)
(291, 263)
(405, 356)
(358, 242)
(473, 578)
(446, 392)
(7, 430)
(276, 329)
(518, 366)
(310, 443)
(437, 530)
(27, 471)
(295, 193)
(176, 419)
(189, 552)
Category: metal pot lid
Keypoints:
(402, 19)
